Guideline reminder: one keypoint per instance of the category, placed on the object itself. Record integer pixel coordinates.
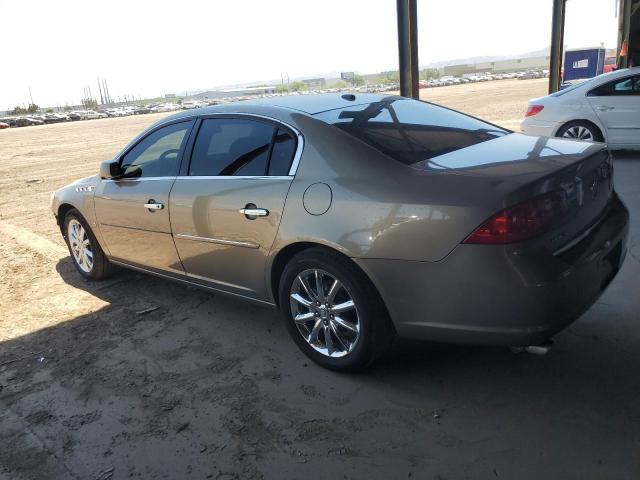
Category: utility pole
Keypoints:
(102, 101)
(106, 87)
(31, 96)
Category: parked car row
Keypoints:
(46, 118)
(187, 104)
(121, 111)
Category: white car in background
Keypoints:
(605, 108)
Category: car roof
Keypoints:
(317, 103)
(621, 72)
(309, 104)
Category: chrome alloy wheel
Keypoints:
(324, 313)
(579, 132)
(80, 245)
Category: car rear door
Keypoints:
(133, 211)
(226, 208)
(617, 105)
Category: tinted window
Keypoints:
(231, 146)
(626, 86)
(158, 154)
(284, 148)
(411, 131)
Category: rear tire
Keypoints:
(342, 325)
(86, 253)
(581, 130)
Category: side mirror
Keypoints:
(110, 169)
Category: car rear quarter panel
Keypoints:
(379, 207)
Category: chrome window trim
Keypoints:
(204, 177)
(299, 148)
(221, 241)
(141, 179)
(188, 118)
(232, 177)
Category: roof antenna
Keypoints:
(349, 96)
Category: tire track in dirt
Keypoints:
(41, 245)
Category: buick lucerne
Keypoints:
(362, 217)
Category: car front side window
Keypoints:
(158, 154)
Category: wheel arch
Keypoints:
(599, 127)
(63, 209)
(284, 255)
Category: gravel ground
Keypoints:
(202, 386)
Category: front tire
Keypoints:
(86, 253)
(333, 312)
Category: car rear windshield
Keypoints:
(411, 131)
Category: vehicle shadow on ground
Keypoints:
(167, 379)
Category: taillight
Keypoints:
(522, 221)
(533, 110)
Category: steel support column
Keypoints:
(408, 47)
(625, 32)
(413, 34)
(557, 39)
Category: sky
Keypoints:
(150, 48)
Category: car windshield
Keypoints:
(411, 131)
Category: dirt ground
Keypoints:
(502, 102)
(203, 386)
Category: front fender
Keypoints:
(78, 195)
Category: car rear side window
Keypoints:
(411, 131)
(284, 147)
(623, 87)
(232, 146)
(628, 86)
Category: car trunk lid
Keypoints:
(516, 168)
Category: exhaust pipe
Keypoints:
(541, 349)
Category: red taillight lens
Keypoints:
(533, 110)
(522, 221)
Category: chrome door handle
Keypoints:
(604, 107)
(254, 212)
(153, 205)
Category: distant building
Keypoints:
(233, 92)
(499, 66)
(169, 95)
(315, 82)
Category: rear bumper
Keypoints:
(513, 295)
(540, 128)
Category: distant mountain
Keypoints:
(332, 75)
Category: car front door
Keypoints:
(617, 105)
(133, 211)
(226, 209)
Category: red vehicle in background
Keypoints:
(609, 64)
(3, 125)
